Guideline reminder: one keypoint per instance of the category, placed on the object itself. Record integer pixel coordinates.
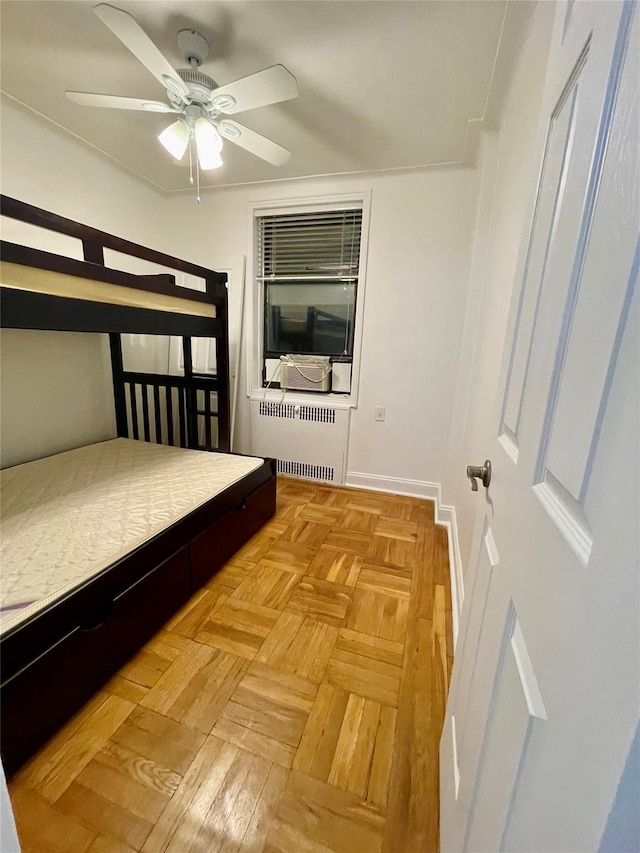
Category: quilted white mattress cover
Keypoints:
(65, 518)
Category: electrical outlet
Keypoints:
(380, 413)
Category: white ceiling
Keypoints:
(383, 85)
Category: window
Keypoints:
(309, 263)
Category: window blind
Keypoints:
(323, 245)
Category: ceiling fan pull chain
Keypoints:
(198, 181)
(191, 161)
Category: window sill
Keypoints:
(335, 401)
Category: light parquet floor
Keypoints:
(294, 704)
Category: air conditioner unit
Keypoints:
(305, 372)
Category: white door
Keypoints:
(544, 701)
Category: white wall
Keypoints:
(56, 393)
(56, 387)
(508, 170)
(421, 233)
(419, 248)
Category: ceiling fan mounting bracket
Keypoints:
(193, 47)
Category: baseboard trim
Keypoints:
(445, 516)
(393, 485)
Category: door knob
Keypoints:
(481, 472)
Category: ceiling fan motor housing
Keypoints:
(200, 85)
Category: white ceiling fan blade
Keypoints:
(254, 142)
(134, 37)
(91, 99)
(266, 87)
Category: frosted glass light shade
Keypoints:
(209, 145)
(175, 139)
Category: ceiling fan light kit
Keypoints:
(195, 96)
(175, 139)
(208, 144)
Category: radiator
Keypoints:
(308, 441)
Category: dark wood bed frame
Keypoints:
(54, 661)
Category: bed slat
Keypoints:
(145, 412)
(182, 418)
(156, 411)
(133, 398)
(168, 401)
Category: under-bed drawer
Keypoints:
(43, 695)
(220, 541)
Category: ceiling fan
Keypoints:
(202, 105)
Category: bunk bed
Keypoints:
(113, 538)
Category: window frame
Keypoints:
(256, 294)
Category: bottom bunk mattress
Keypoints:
(66, 518)
(100, 547)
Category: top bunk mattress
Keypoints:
(34, 280)
(67, 517)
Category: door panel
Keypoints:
(516, 707)
(556, 228)
(593, 315)
(545, 691)
(552, 182)
(470, 643)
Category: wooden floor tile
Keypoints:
(268, 586)
(295, 703)
(274, 707)
(415, 764)
(403, 510)
(314, 816)
(234, 572)
(222, 802)
(331, 564)
(44, 829)
(292, 556)
(361, 520)
(255, 549)
(66, 755)
(377, 648)
(321, 600)
(378, 614)
(321, 514)
(307, 532)
(239, 627)
(348, 742)
(385, 579)
(353, 541)
(365, 502)
(125, 689)
(137, 787)
(394, 528)
(106, 844)
(299, 645)
(101, 815)
(367, 676)
(190, 619)
(152, 660)
(159, 739)
(196, 687)
(396, 552)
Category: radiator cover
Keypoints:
(309, 441)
